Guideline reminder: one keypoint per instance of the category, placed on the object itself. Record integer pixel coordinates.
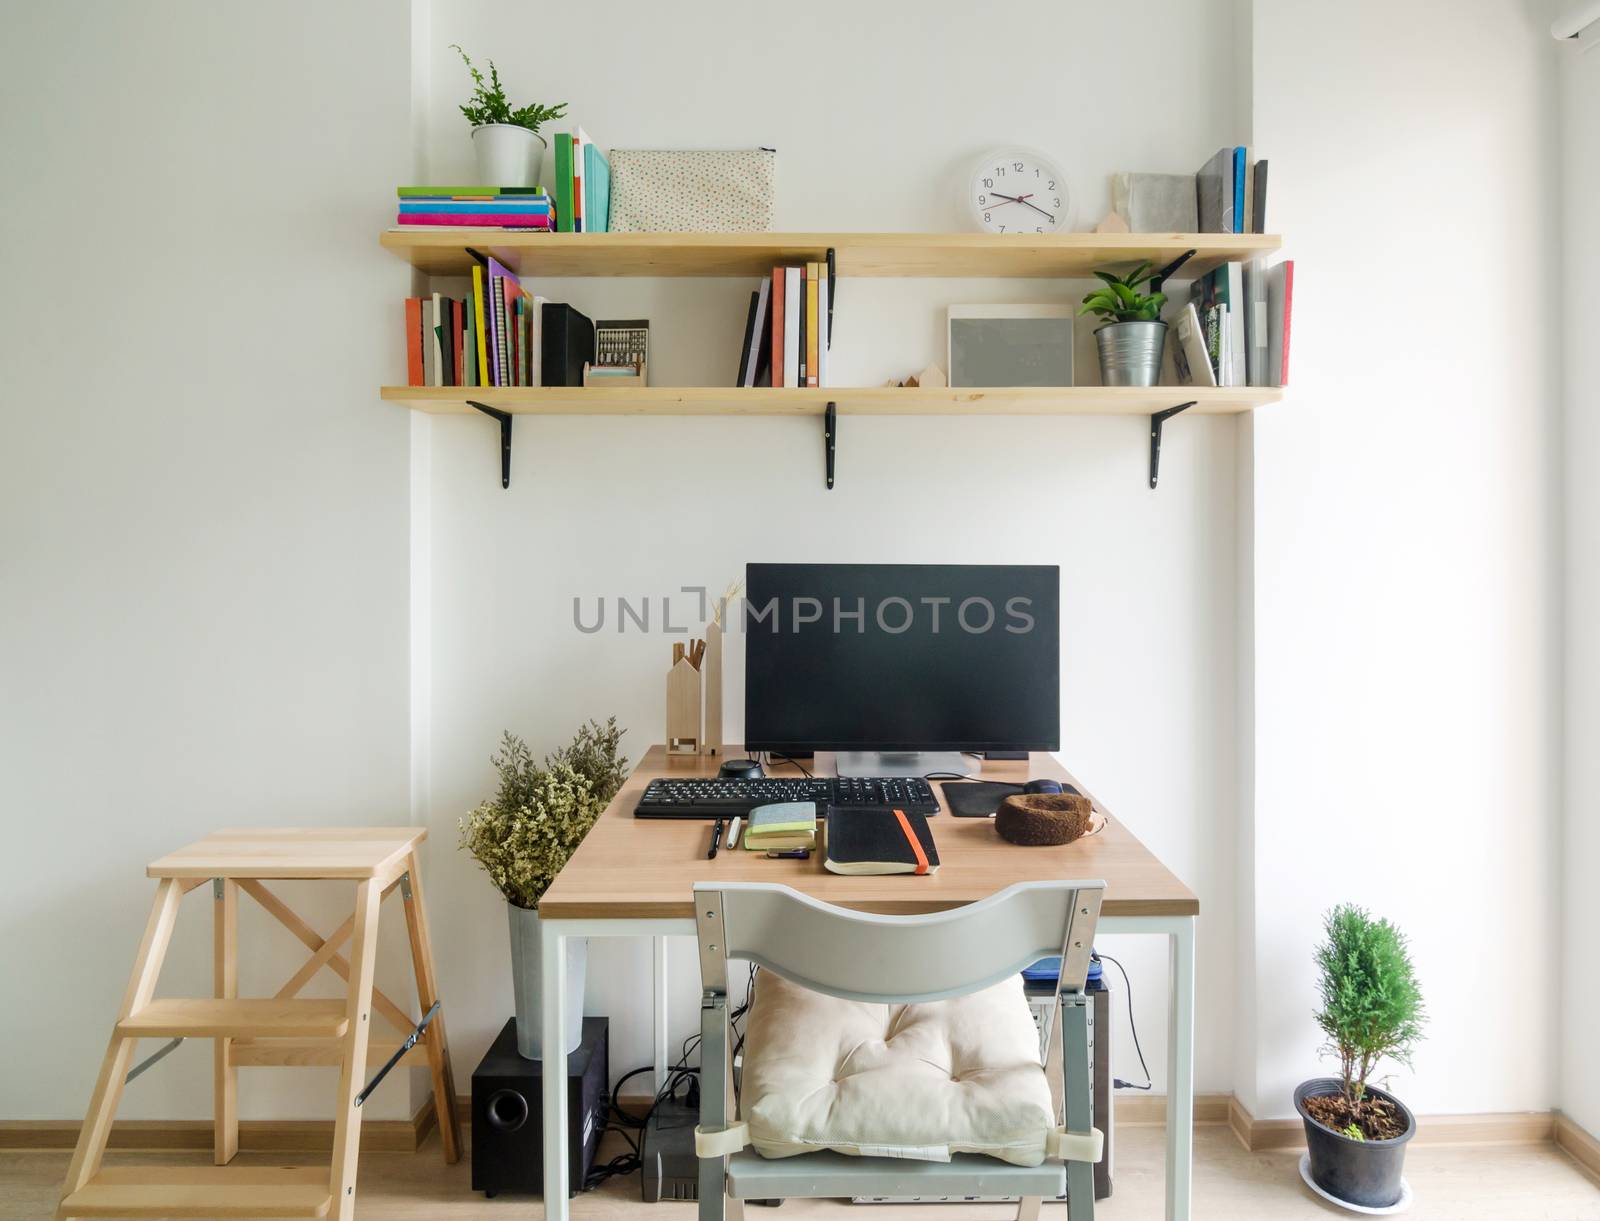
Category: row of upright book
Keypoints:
(1235, 328)
(501, 335)
(1231, 193)
(581, 185)
(787, 328)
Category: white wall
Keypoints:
(1331, 635)
(1580, 849)
(1405, 518)
(203, 513)
(623, 506)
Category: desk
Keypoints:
(635, 877)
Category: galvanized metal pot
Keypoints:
(527, 983)
(1130, 352)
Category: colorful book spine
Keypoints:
(497, 220)
(458, 339)
(579, 145)
(413, 341)
(1241, 158)
(777, 326)
(563, 195)
(597, 188)
(823, 287)
(465, 192)
(479, 298)
(517, 203)
(812, 368)
(791, 326)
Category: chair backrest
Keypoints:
(895, 959)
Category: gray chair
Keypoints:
(893, 960)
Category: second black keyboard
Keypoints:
(725, 798)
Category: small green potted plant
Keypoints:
(525, 834)
(507, 142)
(1133, 338)
(1356, 1134)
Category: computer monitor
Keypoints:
(889, 664)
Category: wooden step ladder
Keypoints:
(285, 1029)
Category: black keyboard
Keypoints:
(725, 798)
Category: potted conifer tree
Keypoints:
(1356, 1133)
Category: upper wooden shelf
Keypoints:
(871, 400)
(1058, 255)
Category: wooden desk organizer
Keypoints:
(694, 696)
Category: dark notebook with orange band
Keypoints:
(879, 841)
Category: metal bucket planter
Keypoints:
(527, 983)
(1365, 1173)
(508, 156)
(1130, 352)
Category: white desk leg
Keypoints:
(658, 949)
(553, 1038)
(1180, 1072)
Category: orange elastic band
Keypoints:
(911, 838)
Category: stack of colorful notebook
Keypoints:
(497, 207)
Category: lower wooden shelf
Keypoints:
(869, 400)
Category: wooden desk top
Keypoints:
(630, 868)
(292, 852)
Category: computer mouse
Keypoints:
(741, 769)
(1042, 786)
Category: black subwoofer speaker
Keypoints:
(508, 1122)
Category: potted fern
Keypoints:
(507, 142)
(1133, 338)
(525, 834)
(1356, 1134)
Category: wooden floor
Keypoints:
(1462, 1183)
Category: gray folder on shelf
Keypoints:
(1156, 203)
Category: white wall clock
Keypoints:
(1018, 190)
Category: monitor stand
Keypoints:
(902, 763)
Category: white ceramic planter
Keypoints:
(527, 982)
(508, 156)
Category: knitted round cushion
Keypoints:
(1036, 820)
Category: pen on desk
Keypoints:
(716, 841)
(733, 833)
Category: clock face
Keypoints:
(1016, 190)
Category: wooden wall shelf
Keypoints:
(875, 400)
(1033, 256)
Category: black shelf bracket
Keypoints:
(830, 436)
(1167, 272)
(505, 438)
(1156, 422)
(833, 295)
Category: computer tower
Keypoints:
(508, 1116)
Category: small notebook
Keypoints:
(781, 826)
(880, 842)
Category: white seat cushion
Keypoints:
(912, 1081)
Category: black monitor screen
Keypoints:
(902, 657)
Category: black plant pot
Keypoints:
(1364, 1172)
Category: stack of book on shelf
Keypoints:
(582, 186)
(787, 329)
(1234, 329)
(495, 207)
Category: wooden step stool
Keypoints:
(280, 1030)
